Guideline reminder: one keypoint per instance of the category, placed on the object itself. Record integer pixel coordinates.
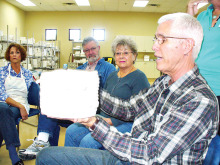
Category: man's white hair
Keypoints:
(185, 26)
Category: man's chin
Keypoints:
(92, 60)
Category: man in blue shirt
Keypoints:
(48, 128)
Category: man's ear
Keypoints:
(189, 44)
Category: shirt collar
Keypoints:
(182, 80)
(211, 6)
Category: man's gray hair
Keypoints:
(89, 39)
(124, 40)
(185, 26)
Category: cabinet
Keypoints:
(144, 43)
(149, 68)
(77, 57)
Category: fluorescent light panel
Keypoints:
(26, 2)
(82, 2)
(140, 3)
(200, 5)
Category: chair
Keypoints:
(213, 154)
(33, 100)
(111, 60)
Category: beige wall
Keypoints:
(115, 23)
(13, 17)
(34, 24)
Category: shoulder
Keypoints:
(26, 71)
(106, 64)
(140, 73)
(4, 68)
(103, 62)
(82, 66)
(201, 88)
(205, 13)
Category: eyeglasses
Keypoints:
(123, 53)
(161, 39)
(88, 50)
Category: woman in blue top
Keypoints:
(14, 83)
(123, 83)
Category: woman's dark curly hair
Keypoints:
(18, 47)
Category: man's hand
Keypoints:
(193, 6)
(108, 120)
(88, 122)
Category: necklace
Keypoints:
(126, 73)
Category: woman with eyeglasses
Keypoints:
(123, 83)
(14, 84)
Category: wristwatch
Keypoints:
(95, 124)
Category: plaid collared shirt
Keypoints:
(172, 124)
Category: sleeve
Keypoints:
(180, 130)
(120, 108)
(3, 94)
(141, 82)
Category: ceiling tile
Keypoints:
(165, 6)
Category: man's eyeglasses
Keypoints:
(88, 50)
(161, 39)
(123, 53)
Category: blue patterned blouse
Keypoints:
(4, 74)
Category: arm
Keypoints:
(3, 75)
(140, 82)
(181, 129)
(192, 7)
(119, 108)
(22, 109)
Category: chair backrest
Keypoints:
(34, 94)
(213, 154)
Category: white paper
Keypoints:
(69, 93)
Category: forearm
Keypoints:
(13, 103)
(118, 108)
(121, 145)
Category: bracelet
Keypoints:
(92, 128)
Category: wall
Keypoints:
(34, 24)
(115, 23)
(13, 17)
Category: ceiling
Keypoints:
(163, 6)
